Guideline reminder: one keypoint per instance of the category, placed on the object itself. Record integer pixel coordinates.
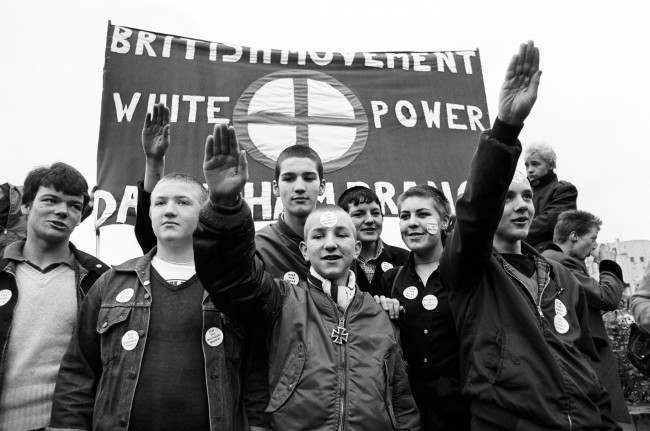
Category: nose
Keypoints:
(61, 209)
(412, 221)
(369, 219)
(170, 209)
(519, 204)
(299, 185)
(330, 244)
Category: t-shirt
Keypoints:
(171, 393)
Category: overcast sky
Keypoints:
(593, 105)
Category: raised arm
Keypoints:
(155, 142)
(224, 242)
(479, 209)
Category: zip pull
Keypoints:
(539, 310)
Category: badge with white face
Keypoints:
(432, 228)
(125, 295)
(213, 336)
(560, 309)
(5, 296)
(130, 340)
(328, 219)
(430, 302)
(385, 266)
(291, 277)
(411, 292)
(561, 324)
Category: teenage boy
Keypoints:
(376, 257)
(335, 361)
(427, 328)
(152, 350)
(520, 318)
(575, 236)
(43, 280)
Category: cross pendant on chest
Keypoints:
(340, 335)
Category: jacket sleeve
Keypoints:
(640, 302)
(227, 265)
(81, 369)
(479, 209)
(604, 294)
(143, 230)
(407, 416)
(586, 342)
(564, 198)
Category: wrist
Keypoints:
(228, 201)
(154, 160)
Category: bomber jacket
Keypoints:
(329, 370)
(98, 377)
(522, 360)
(88, 270)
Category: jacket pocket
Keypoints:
(288, 381)
(388, 396)
(111, 327)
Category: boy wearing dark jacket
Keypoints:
(520, 318)
(335, 361)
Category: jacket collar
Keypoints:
(546, 179)
(544, 270)
(284, 228)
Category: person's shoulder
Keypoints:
(88, 261)
(398, 255)
(563, 185)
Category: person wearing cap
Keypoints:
(550, 195)
(334, 356)
(521, 318)
(43, 280)
(152, 350)
(376, 257)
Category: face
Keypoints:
(175, 207)
(53, 215)
(367, 220)
(419, 224)
(518, 213)
(536, 167)
(298, 185)
(330, 245)
(582, 246)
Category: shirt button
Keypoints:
(426, 331)
(146, 283)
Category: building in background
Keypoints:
(633, 257)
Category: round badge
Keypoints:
(430, 302)
(560, 309)
(411, 292)
(213, 336)
(432, 228)
(291, 277)
(125, 295)
(328, 219)
(385, 266)
(130, 340)
(5, 296)
(561, 324)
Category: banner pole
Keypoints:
(97, 235)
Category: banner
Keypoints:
(385, 119)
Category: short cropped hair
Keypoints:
(300, 151)
(440, 203)
(580, 222)
(357, 195)
(544, 151)
(319, 209)
(185, 178)
(60, 177)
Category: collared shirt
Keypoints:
(342, 295)
(369, 266)
(14, 252)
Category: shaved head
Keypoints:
(327, 216)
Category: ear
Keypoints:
(303, 250)
(276, 189)
(24, 209)
(357, 248)
(573, 237)
(321, 187)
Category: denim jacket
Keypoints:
(96, 384)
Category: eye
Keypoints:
(404, 216)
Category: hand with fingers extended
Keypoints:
(390, 305)
(155, 132)
(225, 166)
(519, 89)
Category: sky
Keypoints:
(593, 105)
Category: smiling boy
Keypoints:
(335, 361)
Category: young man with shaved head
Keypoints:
(521, 319)
(334, 358)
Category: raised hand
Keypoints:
(155, 132)
(519, 89)
(604, 252)
(225, 167)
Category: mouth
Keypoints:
(369, 230)
(58, 225)
(520, 221)
(170, 223)
(415, 235)
(332, 257)
(300, 199)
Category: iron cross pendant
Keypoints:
(339, 335)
